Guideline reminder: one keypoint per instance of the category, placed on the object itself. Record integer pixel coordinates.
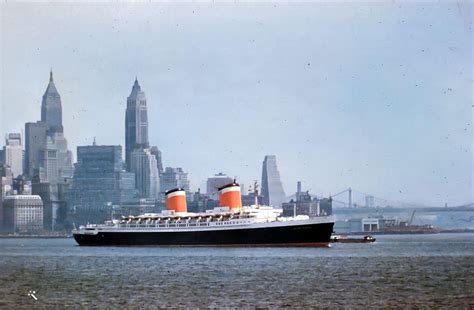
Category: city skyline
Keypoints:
(406, 138)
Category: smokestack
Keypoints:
(176, 200)
(229, 196)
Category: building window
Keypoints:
(51, 154)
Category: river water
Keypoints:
(396, 271)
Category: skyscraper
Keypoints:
(272, 188)
(173, 178)
(13, 153)
(99, 183)
(159, 162)
(143, 164)
(51, 110)
(216, 181)
(55, 160)
(136, 122)
(47, 158)
(46, 147)
(35, 140)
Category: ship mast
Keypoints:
(255, 193)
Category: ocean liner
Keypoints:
(230, 224)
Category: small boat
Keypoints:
(345, 239)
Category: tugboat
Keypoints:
(230, 224)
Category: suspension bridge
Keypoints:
(352, 198)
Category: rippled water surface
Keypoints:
(396, 271)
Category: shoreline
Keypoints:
(446, 231)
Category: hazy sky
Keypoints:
(377, 96)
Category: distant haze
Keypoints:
(374, 96)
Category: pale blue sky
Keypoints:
(377, 96)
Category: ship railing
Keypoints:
(164, 225)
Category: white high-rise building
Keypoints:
(143, 164)
(272, 188)
(55, 160)
(13, 153)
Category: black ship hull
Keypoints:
(303, 235)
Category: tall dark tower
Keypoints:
(136, 122)
(51, 110)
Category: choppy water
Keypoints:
(396, 271)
